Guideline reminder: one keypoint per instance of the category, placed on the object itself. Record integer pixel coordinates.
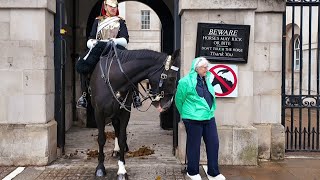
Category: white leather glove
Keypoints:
(120, 41)
(91, 43)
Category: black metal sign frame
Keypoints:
(223, 42)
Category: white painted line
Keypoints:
(14, 173)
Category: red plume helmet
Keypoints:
(113, 3)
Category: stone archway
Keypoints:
(165, 13)
(161, 9)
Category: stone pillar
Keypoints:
(28, 131)
(259, 81)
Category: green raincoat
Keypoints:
(189, 104)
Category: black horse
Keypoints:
(112, 83)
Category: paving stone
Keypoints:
(4, 171)
(144, 130)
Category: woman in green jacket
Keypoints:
(196, 103)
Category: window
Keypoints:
(296, 54)
(145, 19)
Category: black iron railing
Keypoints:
(300, 75)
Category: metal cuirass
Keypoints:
(108, 28)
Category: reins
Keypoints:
(107, 79)
(150, 96)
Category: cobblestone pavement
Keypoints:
(138, 172)
(4, 171)
(144, 131)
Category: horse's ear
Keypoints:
(176, 53)
(176, 57)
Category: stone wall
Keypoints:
(146, 38)
(249, 125)
(27, 76)
(259, 81)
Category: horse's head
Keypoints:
(163, 83)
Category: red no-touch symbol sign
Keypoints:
(226, 78)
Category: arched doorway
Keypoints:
(81, 15)
(163, 12)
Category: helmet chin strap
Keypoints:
(108, 13)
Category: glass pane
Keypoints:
(297, 43)
(145, 19)
(297, 54)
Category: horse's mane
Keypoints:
(141, 54)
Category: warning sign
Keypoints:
(225, 79)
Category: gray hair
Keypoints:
(200, 62)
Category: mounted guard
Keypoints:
(108, 26)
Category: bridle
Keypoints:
(153, 96)
(164, 75)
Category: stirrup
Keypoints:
(82, 101)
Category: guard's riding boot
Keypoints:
(136, 100)
(82, 101)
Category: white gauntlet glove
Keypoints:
(120, 41)
(91, 43)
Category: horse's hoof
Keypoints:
(100, 173)
(122, 177)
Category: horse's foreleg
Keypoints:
(116, 145)
(100, 170)
(116, 127)
(122, 173)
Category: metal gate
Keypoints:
(300, 75)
